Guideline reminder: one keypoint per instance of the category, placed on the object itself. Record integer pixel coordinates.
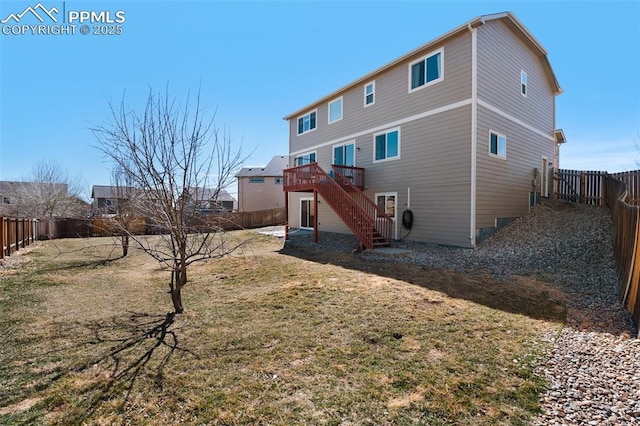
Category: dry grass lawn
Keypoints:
(274, 335)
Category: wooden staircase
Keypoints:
(368, 222)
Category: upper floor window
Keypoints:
(369, 93)
(523, 83)
(497, 144)
(386, 145)
(426, 71)
(335, 110)
(279, 181)
(307, 122)
(256, 180)
(307, 158)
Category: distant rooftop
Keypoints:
(274, 168)
(209, 193)
(11, 187)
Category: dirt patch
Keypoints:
(11, 264)
(23, 405)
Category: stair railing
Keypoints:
(383, 223)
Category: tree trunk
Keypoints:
(179, 278)
(176, 298)
(125, 245)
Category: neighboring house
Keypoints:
(106, 198)
(39, 200)
(453, 139)
(210, 200)
(260, 188)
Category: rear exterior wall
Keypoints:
(504, 183)
(432, 174)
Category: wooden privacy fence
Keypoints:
(246, 220)
(259, 218)
(626, 245)
(632, 182)
(64, 228)
(229, 221)
(587, 187)
(16, 234)
(107, 226)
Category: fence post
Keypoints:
(17, 229)
(2, 237)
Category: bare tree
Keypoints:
(49, 192)
(127, 208)
(163, 151)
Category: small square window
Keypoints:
(369, 93)
(279, 181)
(335, 110)
(498, 144)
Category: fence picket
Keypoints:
(16, 234)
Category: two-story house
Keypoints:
(442, 145)
(211, 200)
(260, 188)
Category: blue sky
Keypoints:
(258, 61)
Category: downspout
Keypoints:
(474, 132)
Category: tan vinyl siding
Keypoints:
(294, 207)
(501, 57)
(503, 185)
(327, 220)
(259, 196)
(434, 164)
(392, 98)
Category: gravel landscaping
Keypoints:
(593, 368)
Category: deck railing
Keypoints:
(362, 216)
(354, 174)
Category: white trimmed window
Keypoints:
(426, 71)
(497, 144)
(306, 158)
(307, 122)
(344, 154)
(279, 181)
(369, 93)
(523, 83)
(335, 110)
(256, 180)
(387, 202)
(386, 145)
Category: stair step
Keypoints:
(381, 244)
